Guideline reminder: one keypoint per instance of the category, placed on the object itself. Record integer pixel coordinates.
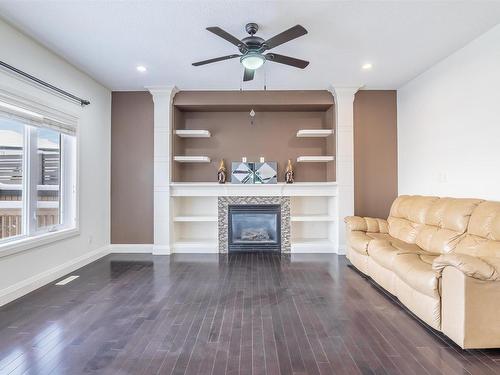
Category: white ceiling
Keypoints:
(108, 39)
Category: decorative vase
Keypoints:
(222, 173)
(289, 177)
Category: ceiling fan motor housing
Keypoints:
(252, 43)
(252, 28)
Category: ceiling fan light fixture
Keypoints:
(253, 60)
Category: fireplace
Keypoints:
(254, 227)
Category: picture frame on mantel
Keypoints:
(254, 173)
(266, 173)
(242, 172)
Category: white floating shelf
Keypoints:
(315, 159)
(192, 159)
(312, 218)
(184, 133)
(313, 133)
(195, 218)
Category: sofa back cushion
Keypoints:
(483, 233)
(445, 224)
(407, 216)
(435, 224)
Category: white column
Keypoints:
(344, 99)
(163, 117)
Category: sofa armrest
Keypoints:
(486, 269)
(366, 224)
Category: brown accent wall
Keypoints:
(375, 152)
(375, 156)
(131, 168)
(272, 135)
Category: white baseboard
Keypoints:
(208, 248)
(179, 248)
(21, 288)
(161, 249)
(131, 248)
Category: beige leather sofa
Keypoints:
(441, 258)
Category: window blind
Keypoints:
(34, 117)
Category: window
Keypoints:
(37, 176)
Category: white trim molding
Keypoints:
(162, 98)
(24, 287)
(344, 111)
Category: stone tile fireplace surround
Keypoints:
(223, 215)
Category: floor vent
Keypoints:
(67, 280)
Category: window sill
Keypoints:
(17, 246)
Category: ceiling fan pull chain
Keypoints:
(265, 78)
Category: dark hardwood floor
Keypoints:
(205, 314)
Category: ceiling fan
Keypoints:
(252, 49)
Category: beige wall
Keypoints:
(375, 152)
(375, 159)
(132, 168)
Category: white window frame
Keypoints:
(67, 124)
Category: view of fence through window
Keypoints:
(12, 151)
(49, 160)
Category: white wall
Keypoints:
(449, 125)
(23, 271)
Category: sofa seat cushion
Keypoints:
(384, 251)
(416, 271)
(359, 240)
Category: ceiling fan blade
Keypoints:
(222, 58)
(287, 60)
(285, 36)
(225, 35)
(248, 75)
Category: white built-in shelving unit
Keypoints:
(313, 221)
(195, 224)
(313, 214)
(314, 133)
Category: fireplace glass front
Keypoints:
(254, 227)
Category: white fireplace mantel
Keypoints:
(209, 189)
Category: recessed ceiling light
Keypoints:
(141, 68)
(366, 66)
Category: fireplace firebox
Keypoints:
(254, 227)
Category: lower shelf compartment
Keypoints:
(208, 246)
(308, 245)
